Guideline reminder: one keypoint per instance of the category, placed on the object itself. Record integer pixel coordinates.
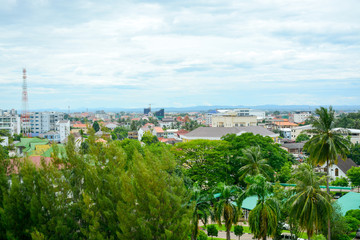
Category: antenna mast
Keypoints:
(25, 114)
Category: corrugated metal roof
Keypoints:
(349, 201)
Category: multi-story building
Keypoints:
(10, 122)
(299, 117)
(42, 122)
(233, 119)
(63, 128)
(296, 131)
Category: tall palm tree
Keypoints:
(225, 208)
(263, 219)
(327, 144)
(201, 209)
(254, 163)
(310, 206)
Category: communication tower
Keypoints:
(25, 118)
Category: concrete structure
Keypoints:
(158, 132)
(231, 119)
(285, 133)
(211, 133)
(43, 122)
(10, 123)
(353, 133)
(63, 128)
(167, 122)
(296, 131)
(146, 128)
(299, 117)
(295, 149)
(260, 115)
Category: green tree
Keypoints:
(343, 182)
(263, 219)
(205, 161)
(309, 206)
(96, 126)
(275, 155)
(148, 138)
(212, 231)
(326, 145)
(120, 133)
(354, 175)
(302, 137)
(154, 204)
(225, 209)
(285, 173)
(239, 231)
(201, 210)
(355, 153)
(254, 164)
(353, 213)
(352, 222)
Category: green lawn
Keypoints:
(247, 230)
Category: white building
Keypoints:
(261, 115)
(300, 117)
(340, 169)
(296, 131)
(43, 122)
(63, 128)
(353, 133)
(232, 119)
(10, 123)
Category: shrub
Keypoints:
(202, 236)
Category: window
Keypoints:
(336, 172)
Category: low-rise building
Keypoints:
(232, 119)
(296, 131)
(211, 133)
(340, 169)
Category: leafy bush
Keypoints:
(352, 222)
(202, 236)
(353, 213)
(212, 231)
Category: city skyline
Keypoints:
(181, 53)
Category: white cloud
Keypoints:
(199, 49)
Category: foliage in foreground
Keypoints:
(120, 191)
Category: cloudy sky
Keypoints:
(178, 53)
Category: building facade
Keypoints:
(43, 122)
(10, 123)
(233, 120)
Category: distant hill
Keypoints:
(207, 108)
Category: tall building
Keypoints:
(10, 121)
(42, 122)
(160, 114)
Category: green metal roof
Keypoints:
(249, 203)
(349, 201)
(62, 151)
(26, 142)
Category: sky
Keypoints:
(179, 53)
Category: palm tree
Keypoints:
(254, 163)
(310, 206)
(225, 207)
(327, 144)
(201, 210)
(263, 219)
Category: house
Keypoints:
(133, 135)
(170, 133)
(158, 132)
(148, 127)
(340, 169)
(212, 133)
(111, 126)
(181, 133)
(294, 148)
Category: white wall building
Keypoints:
(296, 131)
(63, 128)
(10, 123)
(43, 122)
(300, 117)
(233, 120)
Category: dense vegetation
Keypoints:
(128, 190)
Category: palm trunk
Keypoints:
(328, 191)
(195, 228)
(228, 234)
